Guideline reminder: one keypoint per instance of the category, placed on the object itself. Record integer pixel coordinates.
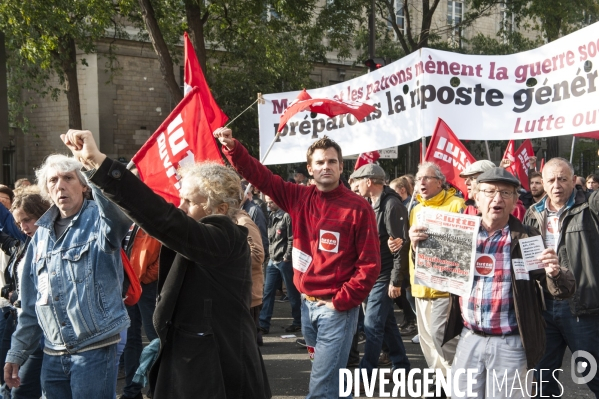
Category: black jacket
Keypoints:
(207, 335)
(392, 221)
(528, 299)
(280, 236)
(578, 248)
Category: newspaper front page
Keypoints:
(445, 261)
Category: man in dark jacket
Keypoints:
(280, 244)
(207, 335)
(392, 222)
(569, 222)
(500, 324)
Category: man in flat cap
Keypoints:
(500, 322)
(470, 175)
(392, 222)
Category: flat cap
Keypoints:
(477, 167)
(369, 170)
(498, 175)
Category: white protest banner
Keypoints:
(445, 260)
(480, 97)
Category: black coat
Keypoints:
(577, 249)
(207, 336)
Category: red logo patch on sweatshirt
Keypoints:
(329, 241)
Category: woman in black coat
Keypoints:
(207, 335)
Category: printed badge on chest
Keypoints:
(329, 241)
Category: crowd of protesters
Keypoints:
(209, 271)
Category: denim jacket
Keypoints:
(83, 275)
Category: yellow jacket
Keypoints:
(446, 201)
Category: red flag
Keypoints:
(446, 150)
(184, 136)
(324, 106)
(542, 165)
(194, 77)
(511, 156)
(367, 157)
(523, 155)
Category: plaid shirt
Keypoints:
(490, 307)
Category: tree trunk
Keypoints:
(68, 60)
(161, 49)
(196, 21)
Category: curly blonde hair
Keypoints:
(218, 183)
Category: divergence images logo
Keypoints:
(587, 365)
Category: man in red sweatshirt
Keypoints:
(336, 256)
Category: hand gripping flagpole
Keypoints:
(259, 100)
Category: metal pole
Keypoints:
(572, 149)
(488, 152)
(423, 149)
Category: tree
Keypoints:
(258, 46)
(44, 37)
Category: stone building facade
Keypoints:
(125, 109)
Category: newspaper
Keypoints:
(445, 261)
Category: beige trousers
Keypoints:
(431, 315)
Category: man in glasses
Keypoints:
(469, 175)
(500, 323)
(432, 306)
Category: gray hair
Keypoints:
(217, 183)
(431, 165)
(62, 164)
(560, 160)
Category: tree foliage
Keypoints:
(42, 38)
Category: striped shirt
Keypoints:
(490, 307)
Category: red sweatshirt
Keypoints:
(335, 240)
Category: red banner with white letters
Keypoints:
(447, 151)
(184, 137)
(366, 158)
(523, 164)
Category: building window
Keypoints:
(399, 17)
(454, 12)
(455, 15)
(507, 20)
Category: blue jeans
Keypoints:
(141, 315)
(330, 332)
(274, 272)
(29, 372)
(89, 374)
(379, 324)
(564, 329)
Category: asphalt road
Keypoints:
(288, 365)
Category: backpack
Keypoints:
(131, 284)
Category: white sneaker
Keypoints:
(416, 339)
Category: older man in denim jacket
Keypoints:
(71, 288)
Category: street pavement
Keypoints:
(288, 364)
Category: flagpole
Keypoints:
(488, 152)
(423, 149)
(572, 149)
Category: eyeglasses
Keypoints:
(426, 178)
(504, 194)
